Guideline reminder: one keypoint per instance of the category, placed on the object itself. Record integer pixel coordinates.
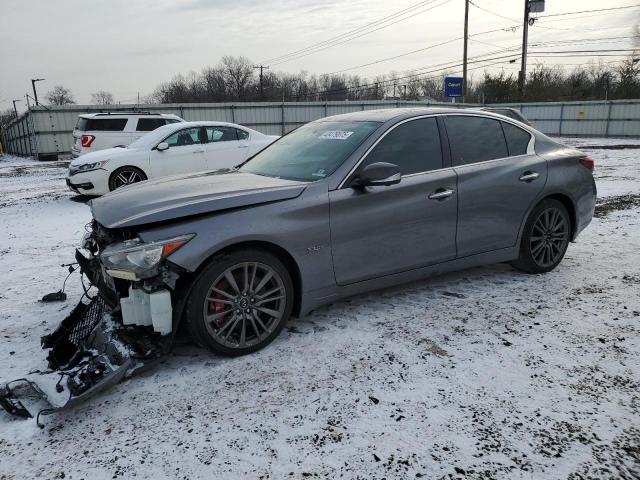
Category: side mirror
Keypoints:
(162, 146)
(378, 174)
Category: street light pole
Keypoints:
(14, 107)
(33, 85)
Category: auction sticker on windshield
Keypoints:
(336, 135)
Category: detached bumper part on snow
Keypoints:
(92, 350)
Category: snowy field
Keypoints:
(481, 374)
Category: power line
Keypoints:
(390, 81)
(398, 56)
(588, 11)
(352, 32)
(340, 42)
(382, 60)
(492, 12)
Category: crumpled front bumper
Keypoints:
(90, 351)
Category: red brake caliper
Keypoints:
(217, 307)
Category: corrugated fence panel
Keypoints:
(47, 129)
(625, 110)
(624, 128)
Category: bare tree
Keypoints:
(59, 95)
(6, 116)
(238, 72)
(102, 98)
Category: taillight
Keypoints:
(588, 162)
(87, 140)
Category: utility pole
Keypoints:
(262, 67)
(466, 41)
(525, 40)
(14, 107)
(33, 85)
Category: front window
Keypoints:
(311, 152)
(188, 136)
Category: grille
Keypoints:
(88, 320)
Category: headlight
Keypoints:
(87, 167)
(133, 259)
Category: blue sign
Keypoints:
(453, 86)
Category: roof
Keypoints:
(127, 114)
(387, 114)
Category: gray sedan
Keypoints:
(340, 206)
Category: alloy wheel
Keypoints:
(127, 177)
(549, 237)
(244, 304)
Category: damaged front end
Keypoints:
(131, 320)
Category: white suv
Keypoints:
(97, 131)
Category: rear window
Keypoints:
(82, 124)
(475, 139)
(101, 124)
(149, 124)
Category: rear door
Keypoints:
(224, 147)
(499, 178)
(184, 155)
(377, 231)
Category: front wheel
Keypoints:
(240, 302)
(545, 238)
(125, 176)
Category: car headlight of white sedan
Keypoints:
(87, 167)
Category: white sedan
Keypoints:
(173, 149)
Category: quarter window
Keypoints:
(188, 136)
(475, 139)
(149, 124)
(242, 134)
(517, 139)
(414, 146)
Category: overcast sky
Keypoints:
(130, 46)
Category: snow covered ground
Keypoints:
(485, 373)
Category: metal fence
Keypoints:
(45, 131)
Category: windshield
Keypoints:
(311, 152)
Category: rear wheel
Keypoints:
(545, 238)
(240, 302)
(125, 176)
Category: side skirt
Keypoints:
(317, 298)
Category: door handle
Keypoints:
(243, 146)
(529, 176)
(198, 151)
(441, 194)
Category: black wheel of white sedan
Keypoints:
(545, 238)
(125, 176)
(240, 302)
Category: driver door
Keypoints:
(382, 230)
(184, 155)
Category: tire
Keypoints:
(124, 176)
(260, 302)
(545, 238)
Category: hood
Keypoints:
(106, 154)
(174, 197)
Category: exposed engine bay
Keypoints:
(125, 319)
